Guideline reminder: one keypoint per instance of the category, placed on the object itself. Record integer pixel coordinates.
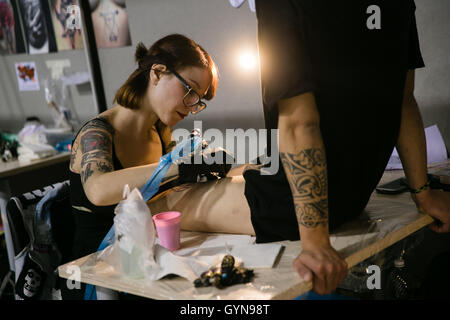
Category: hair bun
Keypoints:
(141, 52)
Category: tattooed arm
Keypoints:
(92, 154)
(303, 157)
(110, 22)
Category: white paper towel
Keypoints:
(191, 262)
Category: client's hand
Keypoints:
(214, 164)
(435, 203)
(323, 265)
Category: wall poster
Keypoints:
(37, 26)
(110, 21)
(27, 77)
(12, 37)
(66, 18)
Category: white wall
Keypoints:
(432, 90)
(16, 106)
(222, 30)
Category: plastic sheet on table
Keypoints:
(381, 219)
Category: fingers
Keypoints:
(439, 227)
(303, 271)
(312, 270)
(327, 270)
(343, 269)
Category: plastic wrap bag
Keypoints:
(33, 132)
(134, 236)
(129, 245)
(134, 251)
(33, 142)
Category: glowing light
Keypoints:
(247, 61)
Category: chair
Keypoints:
(21, 213)
(41, 227)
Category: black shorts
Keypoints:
(272, 210)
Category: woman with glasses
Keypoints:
(123, 145)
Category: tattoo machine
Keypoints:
(227, 275)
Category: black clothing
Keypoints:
(357, 76)
(91, 227)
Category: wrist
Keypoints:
(422, 197)
(420, 189)
(420, 193)
(314, 237)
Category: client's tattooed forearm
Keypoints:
(307, 176)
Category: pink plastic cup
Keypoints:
(168, 229)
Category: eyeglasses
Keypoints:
(191, 99)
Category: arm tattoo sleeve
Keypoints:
(95, 141)
(73, 156)
(307, 176)
(96, 150)
(85, 173)
(94, 156)
(104, 166)
(98, 123)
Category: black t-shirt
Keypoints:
(357, 76)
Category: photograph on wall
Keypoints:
(37, 25)
(3, 48)
(110, 22)
(66, 18)
(27, 77)
(12, 40)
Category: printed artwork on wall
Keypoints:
(27, 77)
(66, 17)
(2, 43)
(12, 40)
(110, 22)
(37, 25)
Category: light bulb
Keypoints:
(247, 61)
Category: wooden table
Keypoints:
(386, 220)
(12, 168)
